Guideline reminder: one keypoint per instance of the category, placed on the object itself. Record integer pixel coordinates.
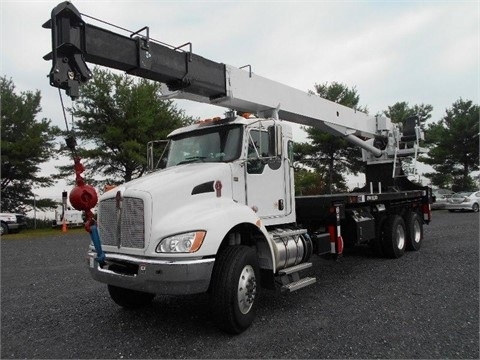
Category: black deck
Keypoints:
(314, 209)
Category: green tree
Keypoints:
(26, 144)
(329, 155)
(400, 111)
(118, 115)
(454, 147)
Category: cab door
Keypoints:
(266, 188)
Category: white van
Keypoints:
(73, 218)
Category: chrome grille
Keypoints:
(131, 228)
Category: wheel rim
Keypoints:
(247, 289)
(417, 232)
(400, 237)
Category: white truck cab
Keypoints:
(223, 181)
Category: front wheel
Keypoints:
(4, 229)
(475, 207)
(234, 288)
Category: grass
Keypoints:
(33, 233)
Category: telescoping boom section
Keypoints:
(189, 76)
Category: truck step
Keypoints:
(296, 285)
(294, 269)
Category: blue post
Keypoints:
(97, 244)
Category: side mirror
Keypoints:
(156, 154)
(275, 141)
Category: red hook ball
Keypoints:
(83, 197)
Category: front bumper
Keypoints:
(155, 276)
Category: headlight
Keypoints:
(182, 243)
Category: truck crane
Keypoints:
(219, 213)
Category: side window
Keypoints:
(257, 148)
(258, 144)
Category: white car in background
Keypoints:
(464, 201)
(9, 223)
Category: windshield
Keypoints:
(217, 144)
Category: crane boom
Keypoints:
(74, 43)
(247, 92)
(189, 76)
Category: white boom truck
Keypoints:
(219, 214)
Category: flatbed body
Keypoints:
(313, 210)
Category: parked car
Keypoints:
(9, 223)
(464, 201)
(441, 197)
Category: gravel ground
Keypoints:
(423, 305)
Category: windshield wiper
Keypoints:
(192, 159)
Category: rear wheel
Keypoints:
(129, 299)
(394, 237)
(414, 226)
(234, 288)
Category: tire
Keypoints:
(129, 299)
(475, 207)
(394, 237)
(414, 224)
(4, 229)
(233, 289)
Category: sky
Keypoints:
(421, 52)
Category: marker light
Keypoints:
(182, 243)
(208, 121)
